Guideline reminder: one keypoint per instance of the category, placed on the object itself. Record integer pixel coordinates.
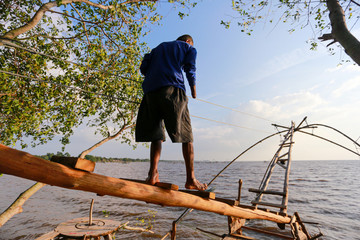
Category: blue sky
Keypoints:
(271, 74)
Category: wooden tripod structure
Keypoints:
(281, 158)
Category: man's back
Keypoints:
(165, 104)
(164, 65)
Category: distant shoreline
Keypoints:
(96, 158)
(127, 160)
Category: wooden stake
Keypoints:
(91, 212)
(173, 231)
(239, 191)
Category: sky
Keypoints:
(270, 77)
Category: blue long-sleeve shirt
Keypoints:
(164, 64)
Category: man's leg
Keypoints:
(155, 152)
(191, 181)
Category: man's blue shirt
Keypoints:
(163, 66)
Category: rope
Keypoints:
(118, 98)
(8, 43)
(229, 124)
(232, 109)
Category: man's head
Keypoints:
(186, 38)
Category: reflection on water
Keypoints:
(325, 192)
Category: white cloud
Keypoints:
(349, 68)
(288, 106)
(288, 60)
(347, 86)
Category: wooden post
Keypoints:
(239, 191)
(91, 211)
(25, 165)
(173, 231)
(235, 225)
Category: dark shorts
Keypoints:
(166, 105)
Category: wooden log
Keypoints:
(164, 185)
(25, 165)
(203, 194)
(74, 162)
(228, 201)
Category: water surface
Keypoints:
(324, 192)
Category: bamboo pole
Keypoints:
(25, 165)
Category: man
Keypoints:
(165, 101)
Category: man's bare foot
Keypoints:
(152, 179)
(195, 184)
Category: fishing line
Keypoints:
(232, 109)
(8, 43)
(118, 98)
(229, 124)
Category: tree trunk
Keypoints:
(25, 165)
(16, 207)
(340, 31)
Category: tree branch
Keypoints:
(136, 1)
(136, 228)
(355, 3)
(53, 38)
(327, 37)
(40, 13)
(87, 151)
(67, 15)
(82, 20)
(16, 206)
(117, 45)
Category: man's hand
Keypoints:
(193, 91)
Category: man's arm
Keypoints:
(145, 64)
(193, 91)
(190, 68)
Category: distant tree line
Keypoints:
(94, 158)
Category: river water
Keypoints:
(322, 192)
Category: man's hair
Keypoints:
(185, 38)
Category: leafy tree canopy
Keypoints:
(64, 61)
(328, 19)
